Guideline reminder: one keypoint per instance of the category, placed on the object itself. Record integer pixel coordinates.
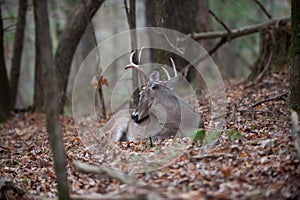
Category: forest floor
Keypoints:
(259, 162)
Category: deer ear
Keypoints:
(154, 76)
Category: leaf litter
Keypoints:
(253, 159)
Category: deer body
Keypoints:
(160, 113)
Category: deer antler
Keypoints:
(137, 66)
(174, 67)
(171, 81)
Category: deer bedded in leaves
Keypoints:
(159, 114)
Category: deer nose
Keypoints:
(134, 116)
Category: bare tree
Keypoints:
(38, 98)
(51, 97)
(295, 57)
(131, 18)
(18, 47)
(5, 102)
(68, 42)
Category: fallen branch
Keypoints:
(147, 195)
(103, 197)
(211, 156)
(240, 31)
(275, 98)
(113, 173)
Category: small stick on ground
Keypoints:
(275, 98)
(113, 173)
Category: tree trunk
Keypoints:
(38, 98)
(204, 24)
(177, 15)
(51, 97)
(274, 51)
(131, 18)
(295, 57)
(5, 100)
(18, 47)
(68, 42)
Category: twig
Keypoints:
(225, 36)
(103, 197)
(275, 98)
(240, 31)
(9, 28)
(263, 9)
(174, 46)
(212, 156)
(113, 173)
(220, 21)
(186, 68)
(144, 193)
(266, 68)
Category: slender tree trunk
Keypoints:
(51, 97)
(68, 42)
(131, 18)
(5, 100)
(295, 57)
(18, 47)
(38, 98)
(133, 39)
(204, 24)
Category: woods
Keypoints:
(141, 99)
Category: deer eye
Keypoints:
(154, 87)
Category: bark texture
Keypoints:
(5, 100)
(68, 42)
(51, 97)
(38, 98)
(178, 15)
(18, 48)
(295, 57)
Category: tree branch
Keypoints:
(275, 98)
(240, 31)
(123, 177)
(263, 9)
(219, 20)
(186, 68)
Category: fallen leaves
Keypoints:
(254, 159)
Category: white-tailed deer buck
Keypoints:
(160, 113)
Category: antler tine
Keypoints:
(174, 67)
(171, 81)
(130, 59)
(166, 71)
(140, 55)
(136, 66)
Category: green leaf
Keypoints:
(199, 136)
(233, 134)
